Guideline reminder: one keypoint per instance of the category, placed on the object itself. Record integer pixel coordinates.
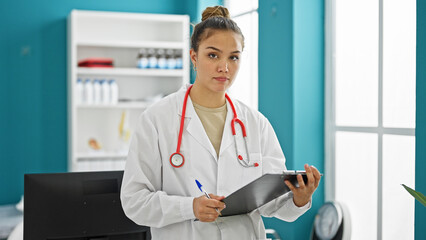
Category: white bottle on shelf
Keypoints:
(96, 92)
(79, 91)
(162, 61)
(88, 92)
(179, 63)
(142, 59)
(106, 93)
(152, 58)
(171, 61)
(114, 91)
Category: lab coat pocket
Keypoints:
(252, 173)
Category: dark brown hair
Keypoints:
(215, 18)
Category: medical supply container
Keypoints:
(162, 61)
(79, 92)
(171, 61)
(152, 58)
(142, 59)
(88, 92)
(96, 92)
(106, 92)
(114, 91)
(179, 62)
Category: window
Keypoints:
(370, 114)
(245, 87)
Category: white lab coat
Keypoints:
(156, 194)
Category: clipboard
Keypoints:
(259, 192)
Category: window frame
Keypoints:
(330, 113)
(254, 81)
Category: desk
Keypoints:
(9, 218)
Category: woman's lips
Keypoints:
(222, 79)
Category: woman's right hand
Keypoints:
(204, 208)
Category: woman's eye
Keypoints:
(212, 55)
(234, 58)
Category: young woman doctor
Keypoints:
(188, 135)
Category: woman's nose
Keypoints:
(223, 67)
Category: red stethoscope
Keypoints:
(177, 160)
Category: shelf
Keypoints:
(126, 105)
(101, 155)
(132, 44)
(89, 15)
(131, 72)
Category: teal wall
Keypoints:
(33, 95)
(33, 92)
(291, 91)
(276, 70)
(420, 230)
(308, 105)
(194, 8)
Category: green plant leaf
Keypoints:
(417, 195)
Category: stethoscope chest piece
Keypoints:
(177, 160)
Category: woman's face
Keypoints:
(217, 60)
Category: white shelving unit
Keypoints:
(119, 36)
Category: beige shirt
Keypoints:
(213, 120)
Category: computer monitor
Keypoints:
(78, 206)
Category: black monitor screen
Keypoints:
(79, 205)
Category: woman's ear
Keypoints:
(193, 56)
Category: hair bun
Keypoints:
(216, 11)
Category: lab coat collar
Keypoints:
(193, 123)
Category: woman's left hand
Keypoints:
(303, 194)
